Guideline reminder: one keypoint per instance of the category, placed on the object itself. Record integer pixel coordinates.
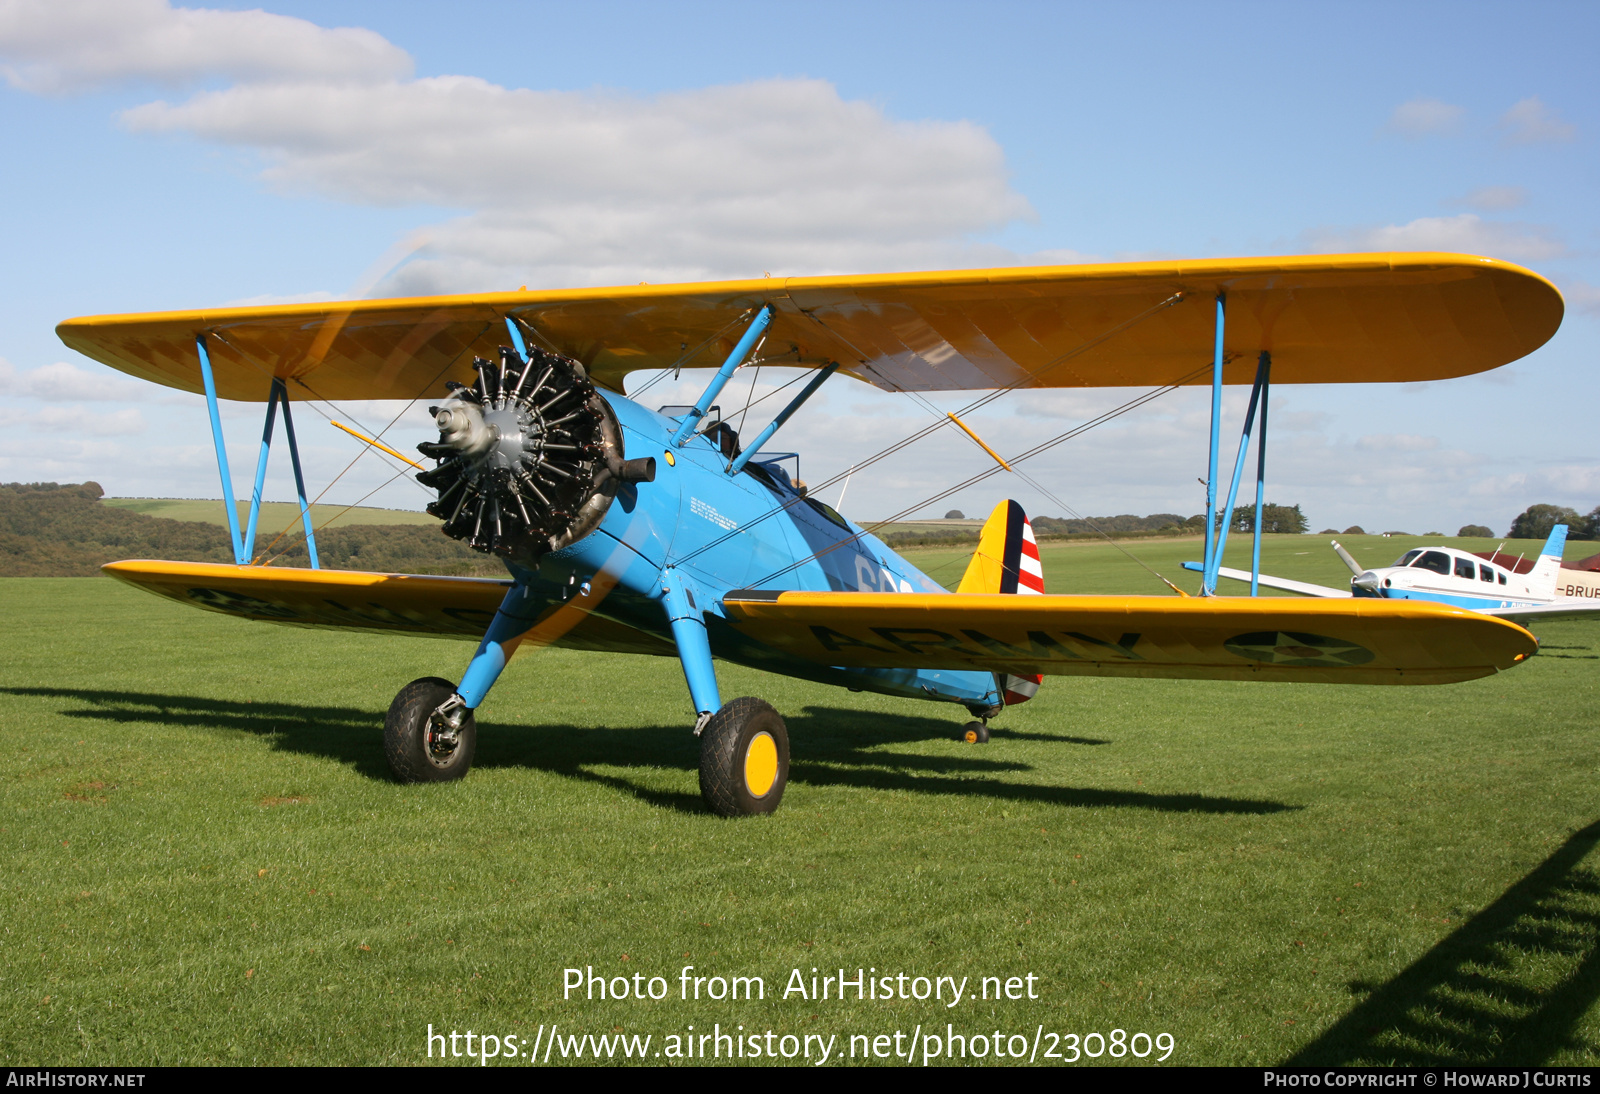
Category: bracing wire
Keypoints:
(749, 400)
(1132, 404)
(261, 367)
(289, 547)
(687, 355)
(918, 435)
(1037, 485)
(1042, 489)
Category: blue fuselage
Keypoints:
(709, 532)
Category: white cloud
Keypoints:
(1575, 485)
(1531, 122)
(1494, 199)
(59, 46)
(585, 188)
(1420, 117)
(1397, 442)
(574, 188)
(1467, 233)
(74, 421)
(63, 382)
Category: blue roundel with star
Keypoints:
(1297, 649)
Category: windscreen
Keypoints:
(1437, 561)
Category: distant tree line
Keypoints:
(1168, 523)
(51, 530)
(1536, 521)
(1278, 519)
(1282, 519)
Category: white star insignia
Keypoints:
(1292, 648)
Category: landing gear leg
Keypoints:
(977, 733)
(430, 734)
(744, 746)
(688, 624)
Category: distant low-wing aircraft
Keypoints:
(1448, 575)
(661, 532)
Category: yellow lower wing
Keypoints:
(1214, 638)
(452, 607)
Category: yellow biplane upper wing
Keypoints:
(1212, 638)
(1325, 318)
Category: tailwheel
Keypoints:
(429, 735)
(975, 733)
(744, 759)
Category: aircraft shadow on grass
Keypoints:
(1464, 1002)
(828, 747)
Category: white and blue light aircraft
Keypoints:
(1448, 575)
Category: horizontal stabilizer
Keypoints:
(1304, 588)
(1353, 641)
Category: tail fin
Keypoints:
(1542, 579)
(1007, 558)
(1007, 561)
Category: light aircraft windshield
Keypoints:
(1405, 559)
(1437, 561)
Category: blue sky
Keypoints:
(162, 158)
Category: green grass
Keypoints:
(274, 514)
(205, 861)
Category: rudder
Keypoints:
(1007, 561)
(1542, 579)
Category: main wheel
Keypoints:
(420, 746)
(744, 759)
(975, 733)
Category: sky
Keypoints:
(160, 157)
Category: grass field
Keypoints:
(206, 861)
(274, 514)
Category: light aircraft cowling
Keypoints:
(626, 529)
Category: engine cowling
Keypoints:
(529, 457)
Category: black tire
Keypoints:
(405, 735)
(975, 733)
(735, 760)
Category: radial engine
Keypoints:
(530, 457)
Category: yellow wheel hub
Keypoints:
(760, 765)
